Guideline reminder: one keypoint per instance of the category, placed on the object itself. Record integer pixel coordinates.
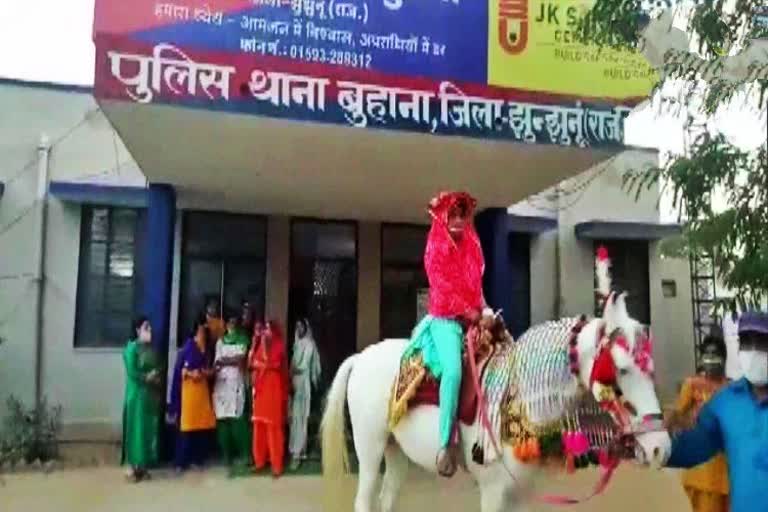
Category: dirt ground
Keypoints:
(104, 489)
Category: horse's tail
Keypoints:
(333, 428)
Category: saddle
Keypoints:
(415, 386)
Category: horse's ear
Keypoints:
(610, 314)
(620, 301)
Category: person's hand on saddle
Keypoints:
(493, 328)
(487, 320)
(471, 316)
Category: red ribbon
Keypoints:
(606, 473)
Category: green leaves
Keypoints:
(720, 190)
(613, 23)
(719, 29)
(736, 232)
(618, 24)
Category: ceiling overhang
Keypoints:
(615, 230)
(237, 162)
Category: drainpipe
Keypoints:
(558, 305)
(43, 152)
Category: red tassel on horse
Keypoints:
(604, 369)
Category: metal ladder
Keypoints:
(703, 299)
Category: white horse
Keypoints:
(364, 382)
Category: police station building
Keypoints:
(283, 152)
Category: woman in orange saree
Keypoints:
(268, 362)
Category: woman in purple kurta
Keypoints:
(190, 405)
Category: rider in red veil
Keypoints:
(454, 264)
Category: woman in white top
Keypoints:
(232, 426)
(305, 374)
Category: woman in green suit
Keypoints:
(141, 408)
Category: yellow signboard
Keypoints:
(531, 46)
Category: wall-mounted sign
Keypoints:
(533, 45)
(489, 68)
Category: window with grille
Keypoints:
(109, 275)
(629, 273)
(402, 278)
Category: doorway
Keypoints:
(323, 288)
(223, 259)
(403, 278)
(630, 273)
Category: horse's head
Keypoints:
(612, 357)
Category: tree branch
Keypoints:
(732, 44)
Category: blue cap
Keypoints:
(753, 321)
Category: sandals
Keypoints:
(135, 476)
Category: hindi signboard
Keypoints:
(432, 66)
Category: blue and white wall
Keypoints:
(84, 148)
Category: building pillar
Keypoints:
(491, 225)
(158, 277)
(158, 263)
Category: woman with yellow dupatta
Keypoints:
(191, 403)
(706, 485)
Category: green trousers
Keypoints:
(234, 436)
(440, 342)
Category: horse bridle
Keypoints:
(609, 397)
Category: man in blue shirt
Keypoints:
(735, 422)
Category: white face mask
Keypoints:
(754, 364)
(145, 335)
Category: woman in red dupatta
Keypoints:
(268, 362)
(454, 263)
